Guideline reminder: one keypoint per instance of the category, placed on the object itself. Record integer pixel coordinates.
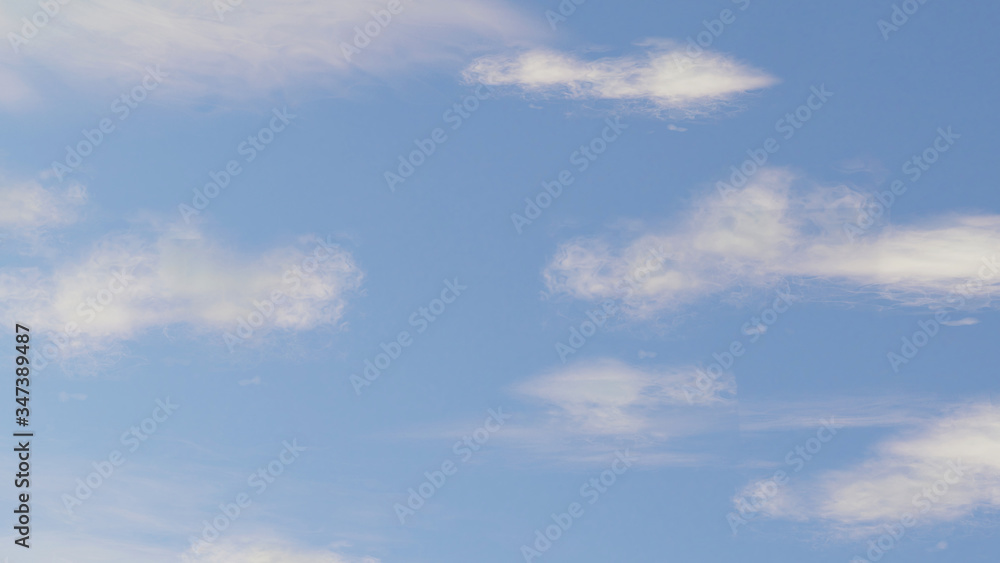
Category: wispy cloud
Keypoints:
(256, 550)
(849, 411)
(592, 407)
(257, 49)
(767, 232)
(960, 448)
(28, 208)
(660, 78)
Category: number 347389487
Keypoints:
(22, 372)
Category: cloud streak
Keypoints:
(258, 48)
(590, 408)
(767, 232)
(662, 78)
(960, 447)
(246, 550)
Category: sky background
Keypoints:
(638, 384)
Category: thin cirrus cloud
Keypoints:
(29, 208)
(256, 49)
(586, 410)
(662, 78)
(767, 232)
(247, 550)
(955, 456)
(129, 283)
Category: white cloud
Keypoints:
(967, 321)
(775, 415)
(27, 208)
(132, 282)
(663, 77)
(962, 446)
(255, 550)
(260, 47)
(767, 232)
(593, 407)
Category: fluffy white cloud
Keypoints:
(257, 48)
(944, 470)
(132, 282)
(767, 232)
(663, 77)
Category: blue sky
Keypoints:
(750, 319)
